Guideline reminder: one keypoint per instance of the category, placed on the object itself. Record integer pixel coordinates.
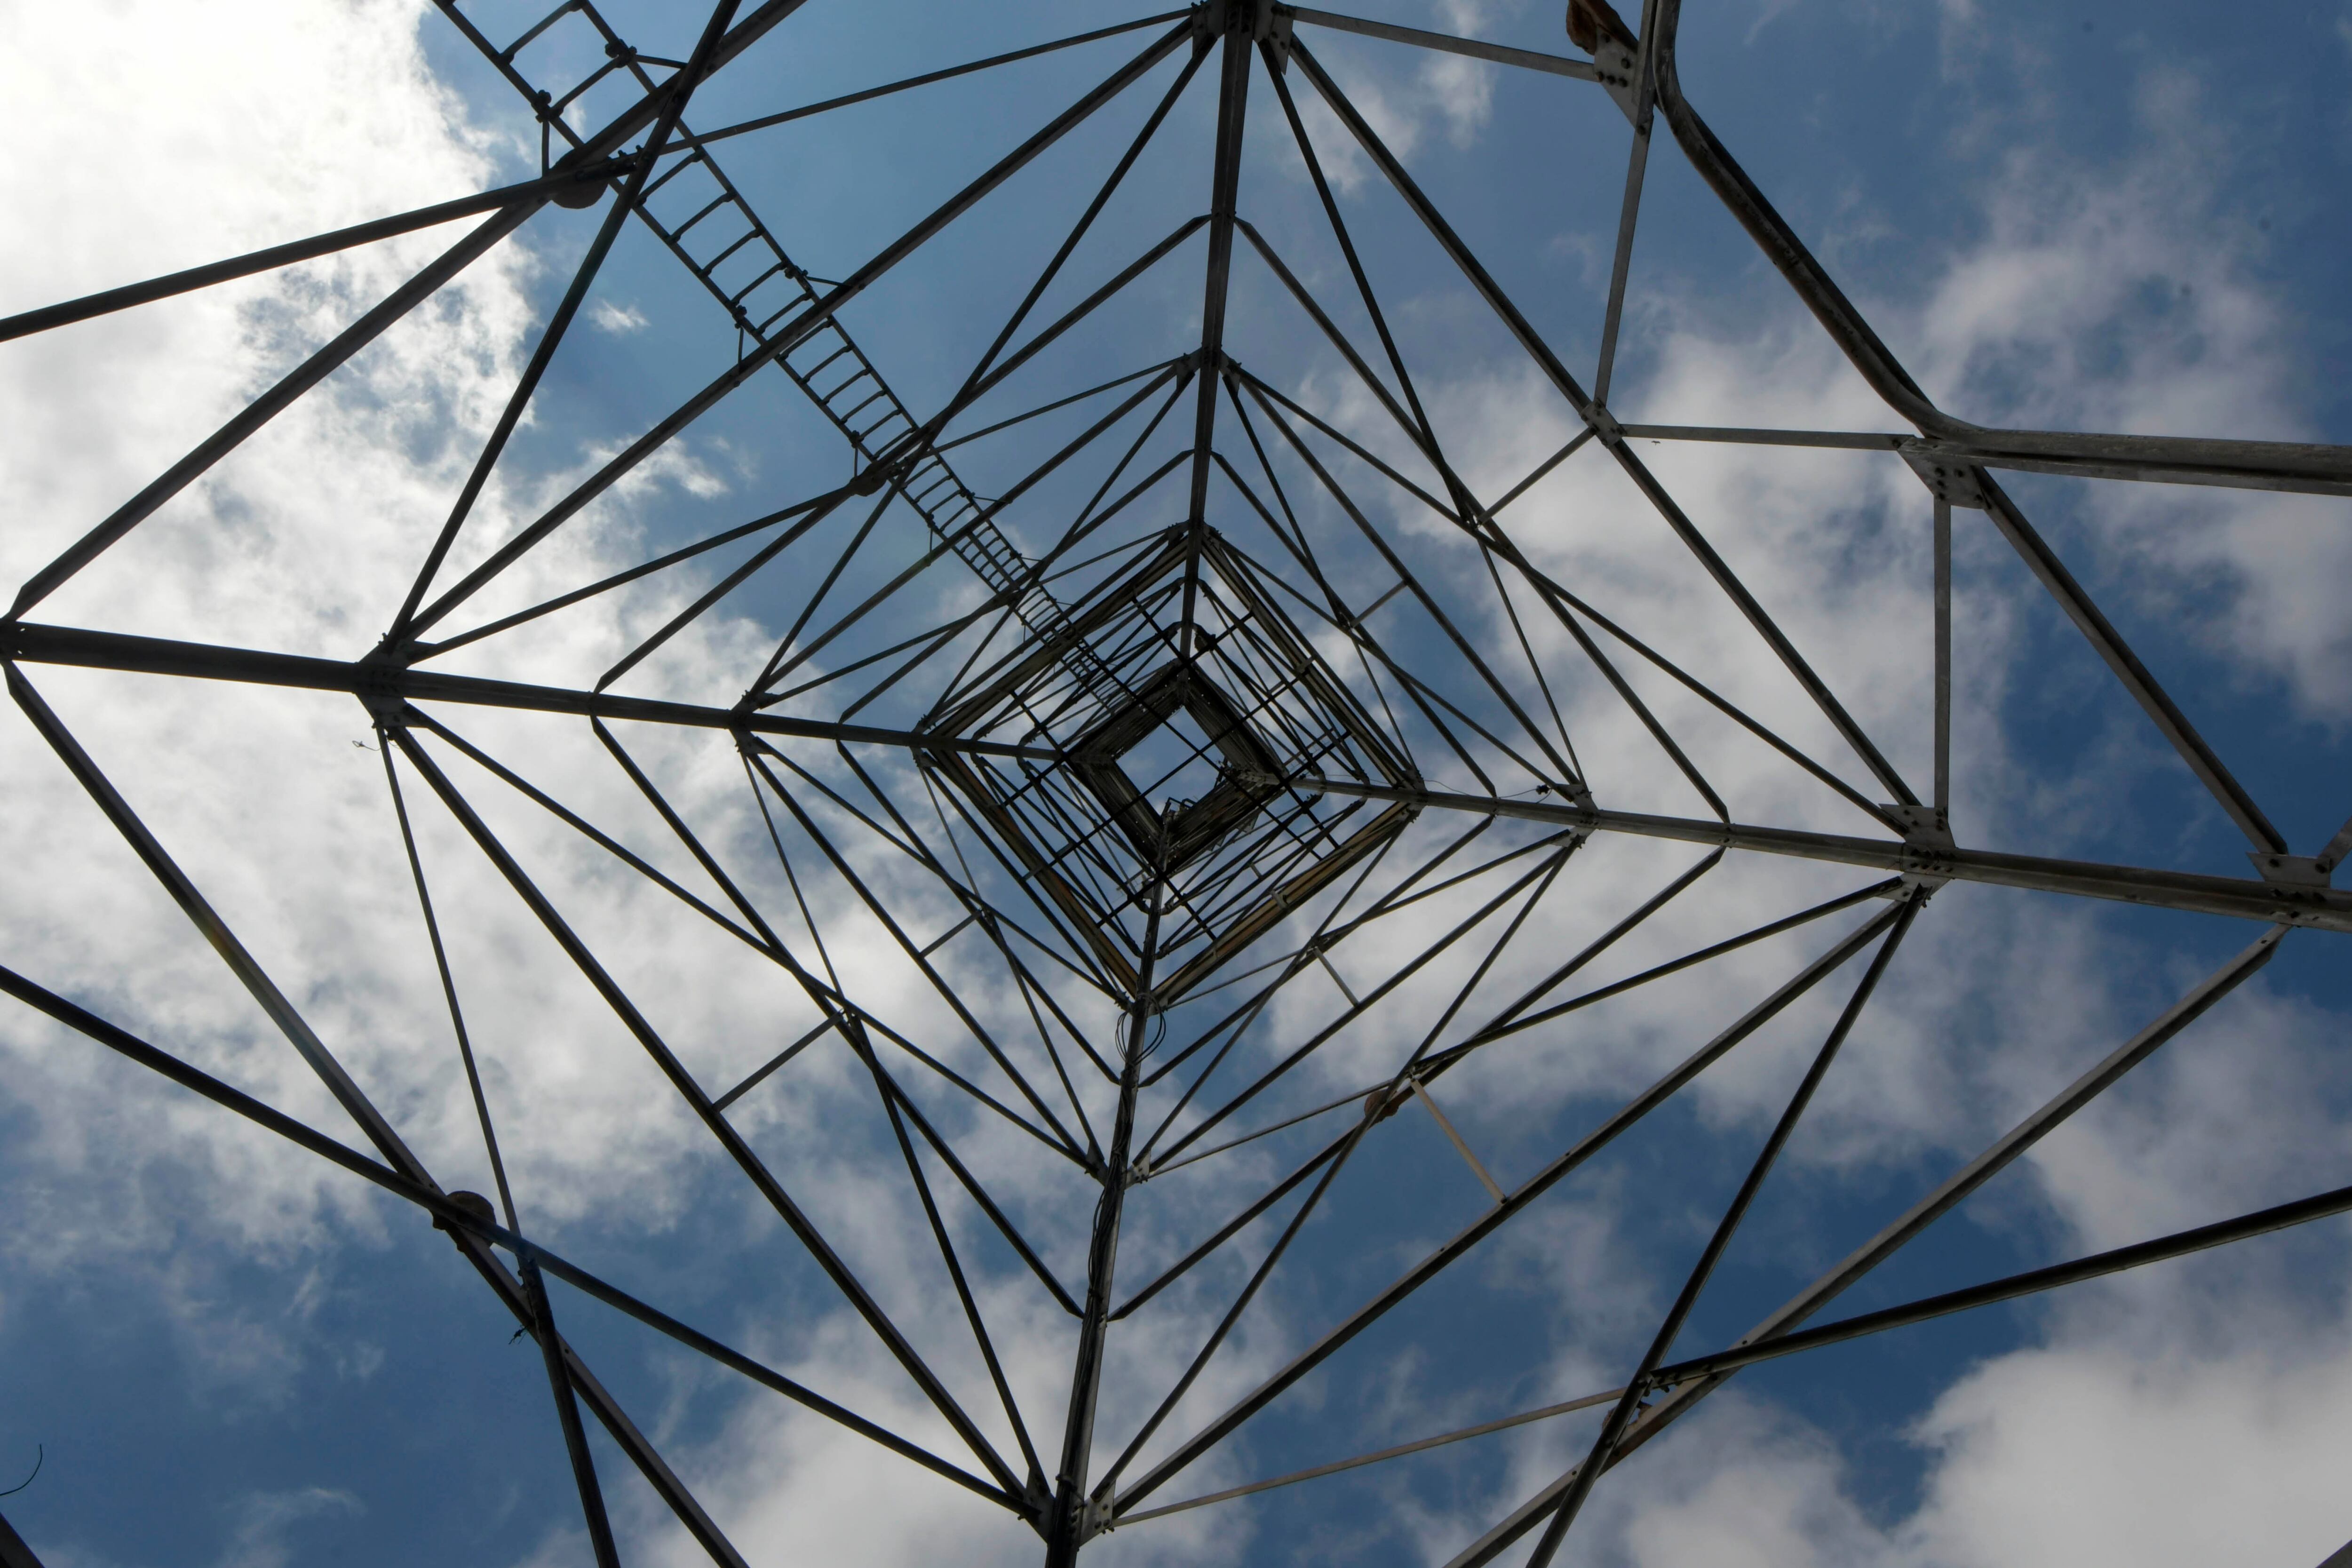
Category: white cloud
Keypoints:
(303, 541)
(265, 1520)
(608, 316)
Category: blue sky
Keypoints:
(2088, 216)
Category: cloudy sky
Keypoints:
(2092, 216)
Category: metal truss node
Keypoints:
(1231, 775)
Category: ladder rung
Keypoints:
(812, 369)
(544, 23)
(680, 167)
(599, 74)
(881, 391)
(736, 298)
(838, 388)
(762, 328)
(712, 266)
(720, 201)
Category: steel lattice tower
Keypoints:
(1161, 748)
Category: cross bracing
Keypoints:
(1225, 777)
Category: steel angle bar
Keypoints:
(1854, 440)
(1327, 933)
(2263, 465)
(288, 389)
(1025, 981)
(347, 1093)
(761, 942)
(1048, 334)
(596, 149)
(107, 302)
(737, 577)
(773, 1191)
(685, 835)
(1274, 1253)
(1079, 954)
(1492, 538)
(1473, 49)
(1232, 113)
(1334, 610)
(833, 573)
(1428, 602)
(760, 1073)
(1033, 580)
(980, 1196)
(1461, 1145)
(1940, 547)
(978, 910)
(938, 982)
(34, 643)
(1636, 1386)
(865, 95)
(215, 932)
(887, 1092)
(423, 651)
(2323, 907)
(1045, 409)
(870, 1021)
(448, 988)
(1234, 1227)
(1549, 363)
(876, 1024)
(1516, 1019)
(1110, 185)
(1316, 1472)
(1902, 1230)
(1568, 605)
(926, 645)
(465, 1224)
(1373, 383)
(1398, 976)
(674, 93)
(2332, 854)
(779, 666)
(794, 331)
(567, 1410)
(2180, 1244)
(2109, 643)
(1567, 452)
(1074, 1516)
(1437, 1262)
(1354, 1097)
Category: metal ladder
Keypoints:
(698, 211)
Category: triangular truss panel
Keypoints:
(1153, 751)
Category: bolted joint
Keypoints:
(2292, 870)
(1949, 477)
(1927, 845)
(474, 1204)
(379, 692)
(1095, 1518)
(1260, 21)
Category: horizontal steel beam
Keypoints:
(36, 644)
(1475, 49)
(2327, 909)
